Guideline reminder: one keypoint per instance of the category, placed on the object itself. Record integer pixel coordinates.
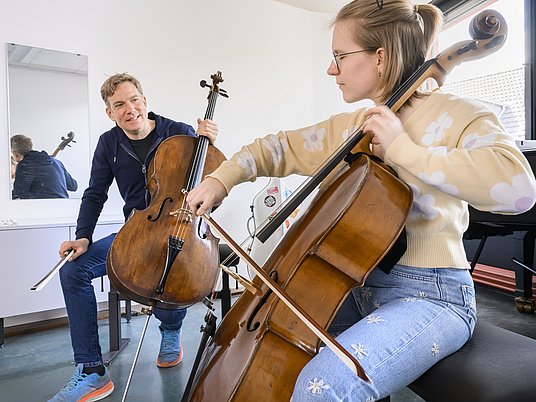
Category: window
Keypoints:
(497, 80)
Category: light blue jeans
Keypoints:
(397, 326)
(79, 295)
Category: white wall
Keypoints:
(273, 58)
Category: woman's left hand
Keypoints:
(385, 127)
(207, 128)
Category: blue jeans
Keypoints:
(81, 304)
(397, 326)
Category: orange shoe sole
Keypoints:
(99, 394)
(170, 364)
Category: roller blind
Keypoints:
(454, 10)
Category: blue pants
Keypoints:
(81, 304)
(397, 326)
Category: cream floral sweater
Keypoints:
(454, 152)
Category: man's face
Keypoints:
(128, 108)
(16, 156)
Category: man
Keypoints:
(37, 174)
(122, 153)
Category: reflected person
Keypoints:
(13, 167)
(37, 174)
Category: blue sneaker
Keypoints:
(85, 387)
(170, 353)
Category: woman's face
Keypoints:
(357, 74)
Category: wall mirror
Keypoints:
(48, 102)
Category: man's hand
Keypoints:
(79, 246)
(207, 128)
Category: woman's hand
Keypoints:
(209, 193)
(385, 127)
(207, 128)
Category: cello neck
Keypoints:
(197, 163)
(212, 98)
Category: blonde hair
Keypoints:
(109, 86)
(21, 144)
(405, 32)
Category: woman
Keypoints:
(450, 151)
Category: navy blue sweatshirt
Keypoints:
(115, 158)
(39, 175)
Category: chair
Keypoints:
(117, 343)
(225, 293)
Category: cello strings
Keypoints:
(184, 216)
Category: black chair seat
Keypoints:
(495, 365)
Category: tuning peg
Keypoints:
(204, 84)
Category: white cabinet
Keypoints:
(28, 254)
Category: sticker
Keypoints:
(269, 201)
(272, 190)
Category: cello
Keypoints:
(65, 142)
(155, 257)
(261, 346)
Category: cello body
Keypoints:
(139, 252)
(260, 346)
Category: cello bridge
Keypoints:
(183, 214)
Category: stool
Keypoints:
(225, 293)
(117, 343)
(495, 365)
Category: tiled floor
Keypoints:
(35, 366)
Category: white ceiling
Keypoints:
(327, 6)
(45, 59)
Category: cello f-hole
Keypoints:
(151, 219)
(253, 326)
(200, 232)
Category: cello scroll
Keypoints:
(65, 142)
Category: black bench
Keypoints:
(494, 365)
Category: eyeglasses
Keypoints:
(338, 56)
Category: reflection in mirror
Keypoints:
(48, 122)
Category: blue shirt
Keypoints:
(39, 175)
